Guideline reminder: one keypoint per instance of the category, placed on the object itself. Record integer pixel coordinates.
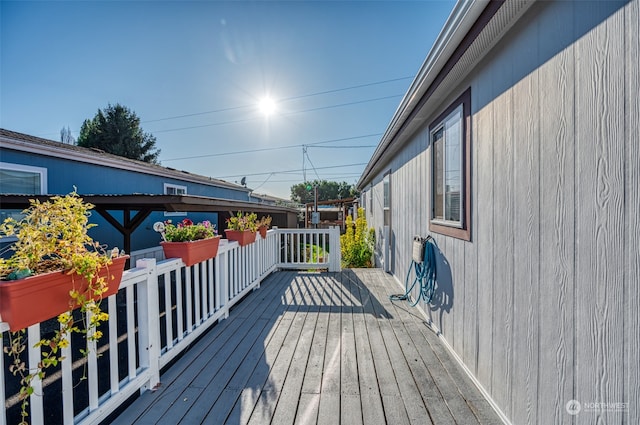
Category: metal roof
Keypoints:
(27, 143)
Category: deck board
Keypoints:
(309, 348)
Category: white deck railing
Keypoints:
(160, 309)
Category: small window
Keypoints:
(386, 197)
(172, 189)
(21, 179)
(450, 165)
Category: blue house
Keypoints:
(129, 195)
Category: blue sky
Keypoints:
(194, 72)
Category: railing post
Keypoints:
(3, 394)
(92, 365)
(255, 264)
(222, 282)
(149, 323)
(335, 254)
(35, 400)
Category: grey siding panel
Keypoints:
(458, 294)
(526, 227)
(632, 178)
(502, 210)
(483, 123)
(441, 304)
(600, 232)
(469, 329)
(556, 290)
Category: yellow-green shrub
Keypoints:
(357, 243)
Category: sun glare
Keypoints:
(267, 106)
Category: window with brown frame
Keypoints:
(450, 142)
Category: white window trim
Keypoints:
(174, 186)
(28, 168)
(36, 170)
(386, 198)
(447, 228)
(459, 112)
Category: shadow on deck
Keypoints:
(316, 348)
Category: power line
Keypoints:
(314, 144)
(234, 108)
(287, 99)
(345, 147)
(289, 171)
(304, 149)
(330, 177)
(263, 183)
(285, 115)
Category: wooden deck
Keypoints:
(316, 348)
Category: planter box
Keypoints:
(263, 231)
(34, 299)
(192, 252)
(243, 237)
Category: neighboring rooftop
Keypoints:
(24, 142)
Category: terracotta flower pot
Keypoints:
(192, 252)
(243, 237)
(34, 299)
(263, 231)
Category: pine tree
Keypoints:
(117, 130)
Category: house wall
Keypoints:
(542, 304)
(64, 174)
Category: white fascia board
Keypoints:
(462, 17)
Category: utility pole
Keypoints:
(315, 202)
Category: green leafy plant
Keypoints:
(242, 222)
(52, 236)
(185, 231)
(264, 221)
(357, 243)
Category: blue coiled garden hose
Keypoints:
(425, 274)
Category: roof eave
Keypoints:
(58, 150)
(462, 17)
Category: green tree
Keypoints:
(117, 130)
(303, 192)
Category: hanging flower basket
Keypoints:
(192, 252)
(37, 298)
(243, 237)
(263, 226)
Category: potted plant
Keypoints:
(55, 267)
(191, 242)
(263, 226)
(242, 228)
